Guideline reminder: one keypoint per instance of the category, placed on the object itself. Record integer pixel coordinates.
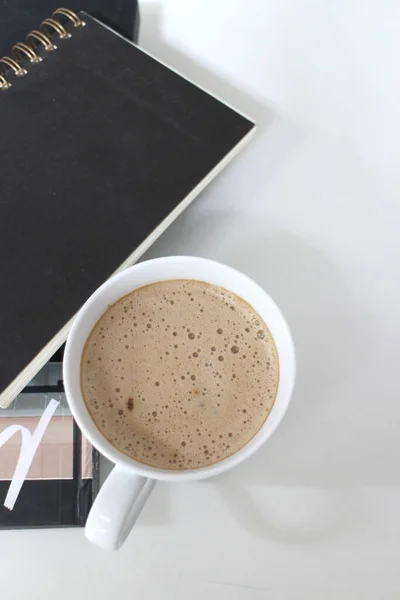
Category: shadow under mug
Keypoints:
(127, 488)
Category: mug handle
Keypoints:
(117, 507)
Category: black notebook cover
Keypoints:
(101, 147)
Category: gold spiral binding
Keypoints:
(60, 29)
(34, 39)
(12, 64)
(22, 49)
(38, 36)
(4, 84)
(65, 12)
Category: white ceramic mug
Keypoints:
(127, 488)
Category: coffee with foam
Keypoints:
(179, 374)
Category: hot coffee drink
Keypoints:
(179, 374)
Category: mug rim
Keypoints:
(87, 424)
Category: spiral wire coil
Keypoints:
(42, 37)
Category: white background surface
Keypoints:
(311, 211)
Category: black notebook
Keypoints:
(102, 146)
